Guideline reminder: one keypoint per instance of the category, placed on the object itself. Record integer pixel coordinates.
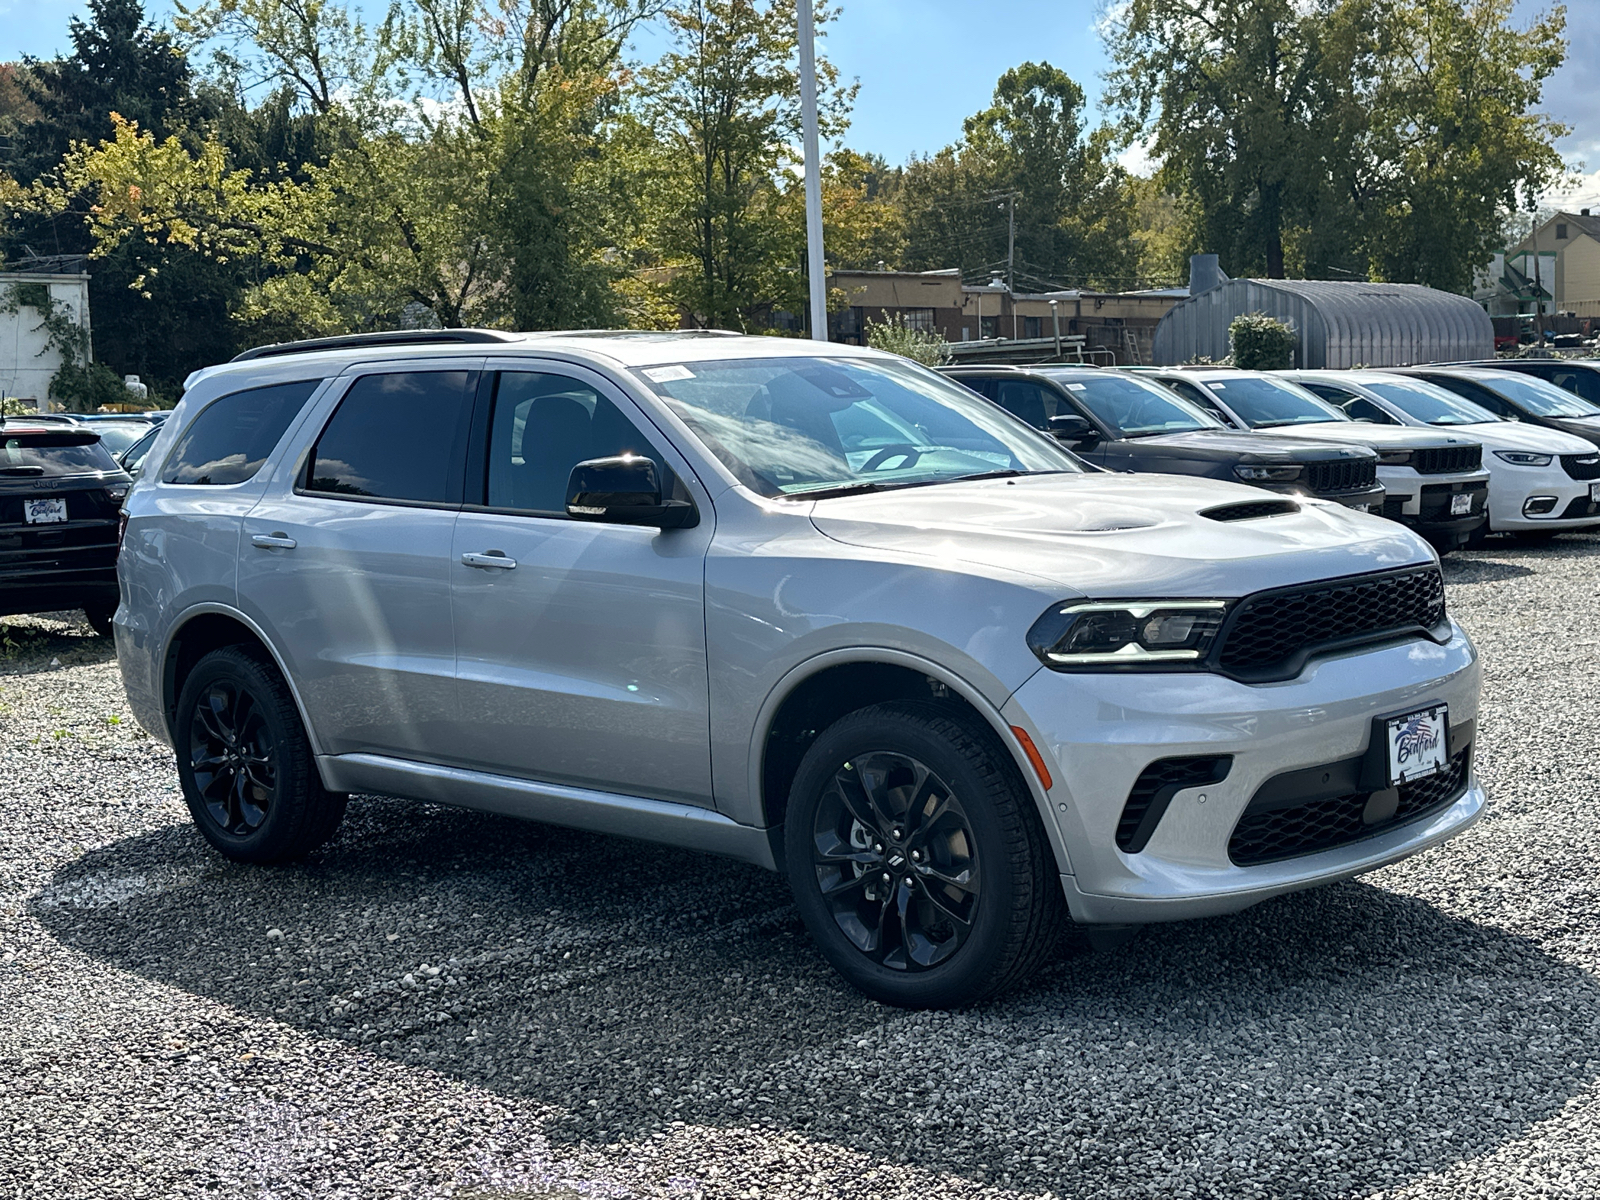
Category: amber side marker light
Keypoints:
(1037, 759)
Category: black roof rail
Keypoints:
(361, 341)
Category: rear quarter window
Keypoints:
(233, 435)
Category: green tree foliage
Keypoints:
(1074, 214)
(1261, 343)
(1343, 138)
(919, 345)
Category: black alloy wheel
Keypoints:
(918, 859)
(232, 755)
(896, 861)
(245, 763)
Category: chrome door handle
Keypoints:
(492, 559)
(273, 541)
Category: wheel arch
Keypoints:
(208, 627)
(817, 692)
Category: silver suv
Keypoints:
(813, 607)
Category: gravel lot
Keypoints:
(444, 1003)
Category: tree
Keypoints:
(1258, 342)
(895, 336)
(1073, 214)
(725, 104)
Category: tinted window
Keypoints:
(1580, 381)
(1263, 402)
(1479, 396)
(118, 436)
(1196, 395)
(1032, 403)
(1432, 404)
(543, 426)
(1541, 398)
(1135, 408)
(133, 457)
(232, 436)
(395, 437)
(30, 455)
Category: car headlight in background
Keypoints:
(1394, 458)
(1523, 458)
(1267, 474)
(1098, 634)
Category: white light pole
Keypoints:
(808, 120)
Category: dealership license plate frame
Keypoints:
(1461, 504)
(1417, 744)
(48, 510)
(1594, 492)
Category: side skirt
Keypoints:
(681, 825)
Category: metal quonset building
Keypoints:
(1338, 325)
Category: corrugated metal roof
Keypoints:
(1339, 324)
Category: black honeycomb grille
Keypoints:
(1342, 475)
(1446, 460)
(1156, 785)
(1279, 833)
(1272, 632)
(1581, 466)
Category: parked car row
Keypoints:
(1454, 452)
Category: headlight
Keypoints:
(1085, 634)
(1394, 458)
(1523, 458)
(1262, 474)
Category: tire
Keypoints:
(994, 912)
(1478, 537)
(245, 765)
(99, 618)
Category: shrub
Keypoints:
(895, 336)
(1261, 343)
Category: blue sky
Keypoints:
(924, 65)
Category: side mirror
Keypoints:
(624, 490)
(1070, 427)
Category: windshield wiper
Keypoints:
(843, 489)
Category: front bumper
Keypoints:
(1567, 499)
(1099, 732)
(1365, 500)
(1422, 502)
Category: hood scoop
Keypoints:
(1250, 510)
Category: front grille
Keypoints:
(1394, 506)
(1251, 510)
(1435, 504)
(1270, 634)
(1582, 466)
(1278, 833)
(1342, 475)
(1154, 789)
(1447, 460)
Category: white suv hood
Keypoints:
(1516, 435)
(1367, 434)
(1119, 535)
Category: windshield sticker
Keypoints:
(667, 374)
(1078, 387)
(1218, 386)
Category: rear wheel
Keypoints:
(918, 860)
(99, 617)
(245, 763)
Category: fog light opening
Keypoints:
(1538, 506)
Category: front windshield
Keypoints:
(1538, 397)
(1135, 407)
(1431, 404)
(1263, 402)
(804, 426)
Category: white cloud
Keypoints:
(1136, 160)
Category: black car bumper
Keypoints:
(50, 568)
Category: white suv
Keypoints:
(813, 607)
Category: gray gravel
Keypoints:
(444, 1003)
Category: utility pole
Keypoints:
(808, 117)
(1055, 319)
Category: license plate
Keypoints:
(44, 512)
(1594, 491)
(1417, 744)
(1460, 504)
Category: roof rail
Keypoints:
(397, 337)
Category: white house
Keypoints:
(28, 360)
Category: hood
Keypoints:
(1107, 535)
(1519, 435)
(1364, 434)
(1261, 445)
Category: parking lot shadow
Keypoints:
(1327, 1043)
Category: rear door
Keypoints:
(346, 561)
(581, 651)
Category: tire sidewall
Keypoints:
(275, 836)
(973, 966)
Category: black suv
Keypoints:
(60, 499)
(1513, 394)
(1125, 423)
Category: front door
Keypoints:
(580, 647)
(348, 568)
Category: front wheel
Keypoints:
(918, 860)
(245, 764)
